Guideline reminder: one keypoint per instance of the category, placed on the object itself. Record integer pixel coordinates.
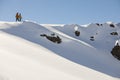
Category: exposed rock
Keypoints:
(116, 51)
(77, 33)
(114, 33)
(52, 38)
(98, 24)
(112, 25)
(92, 38)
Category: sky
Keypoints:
(61, 11)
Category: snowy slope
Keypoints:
(25, 55)
(100, 33)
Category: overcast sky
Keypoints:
(61, 11)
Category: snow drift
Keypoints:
(25, 55)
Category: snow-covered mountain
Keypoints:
(25, 55)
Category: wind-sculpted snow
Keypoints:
(74, 51)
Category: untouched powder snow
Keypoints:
(25, 55)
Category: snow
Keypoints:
(49, 25)
(25, 55)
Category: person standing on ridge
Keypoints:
(17, 16)
(20, 17)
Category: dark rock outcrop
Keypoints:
(55, 39)
(114, 33)
(98, 24)
(112, 25)
(92, 38)
(116, 51)
(77, 33)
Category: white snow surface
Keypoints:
(25, 55)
